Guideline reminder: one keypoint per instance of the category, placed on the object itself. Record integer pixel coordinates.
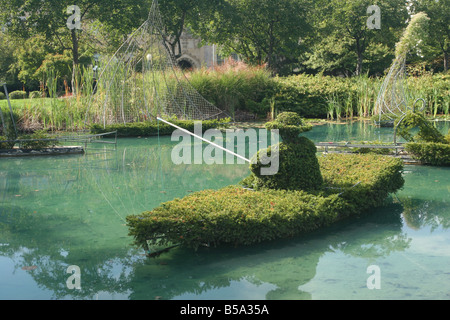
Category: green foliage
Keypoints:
(414, 32)
(18, 95)
(437, 42)
(260, 31)
(384, 151)
(366, 178)
(4, 144)
(237, 216)
(427, 133)
(153, 128)
(298, 168)
(436, 154)
(289, 124)
(37, 140)
(235, 86)
(35, 94)
(341, 42)
(2, 96)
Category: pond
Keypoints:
(63, 211)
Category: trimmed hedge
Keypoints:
(436, 154)
(290, 125)
(298, 168)
(237, 216)
(18, 95)
(151, 128)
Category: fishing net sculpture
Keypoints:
(142, 81)
(392, 101)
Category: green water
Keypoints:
(69, 210)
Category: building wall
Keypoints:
(196, 55)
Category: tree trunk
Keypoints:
(75, 61)
(359, 64)
(445, 61)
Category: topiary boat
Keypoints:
(319, 192)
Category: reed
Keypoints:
(233, 86)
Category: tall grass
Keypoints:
(234, 87)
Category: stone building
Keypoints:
(194, 55)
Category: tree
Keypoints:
(6, 59)
(49, 19)
(343, 39)
(180, 15)
(260, 31)
(438, 40)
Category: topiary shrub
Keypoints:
(289, 124)
(237, 216)
(436, 154)
(2, 96)
(427, 133)
(298, 168)
(298, 165)
(15, 95)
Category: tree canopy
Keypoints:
(289, 36)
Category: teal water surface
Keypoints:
(63, 211)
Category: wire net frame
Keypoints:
(142, 82)
(392, 102)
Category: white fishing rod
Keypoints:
(203, 139)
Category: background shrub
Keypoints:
(151, 128)
(15, 95)
(37, 140)
(35, 94)
(6, 145)
(236, 86)
(2, 96)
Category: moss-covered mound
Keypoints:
(238, 216)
